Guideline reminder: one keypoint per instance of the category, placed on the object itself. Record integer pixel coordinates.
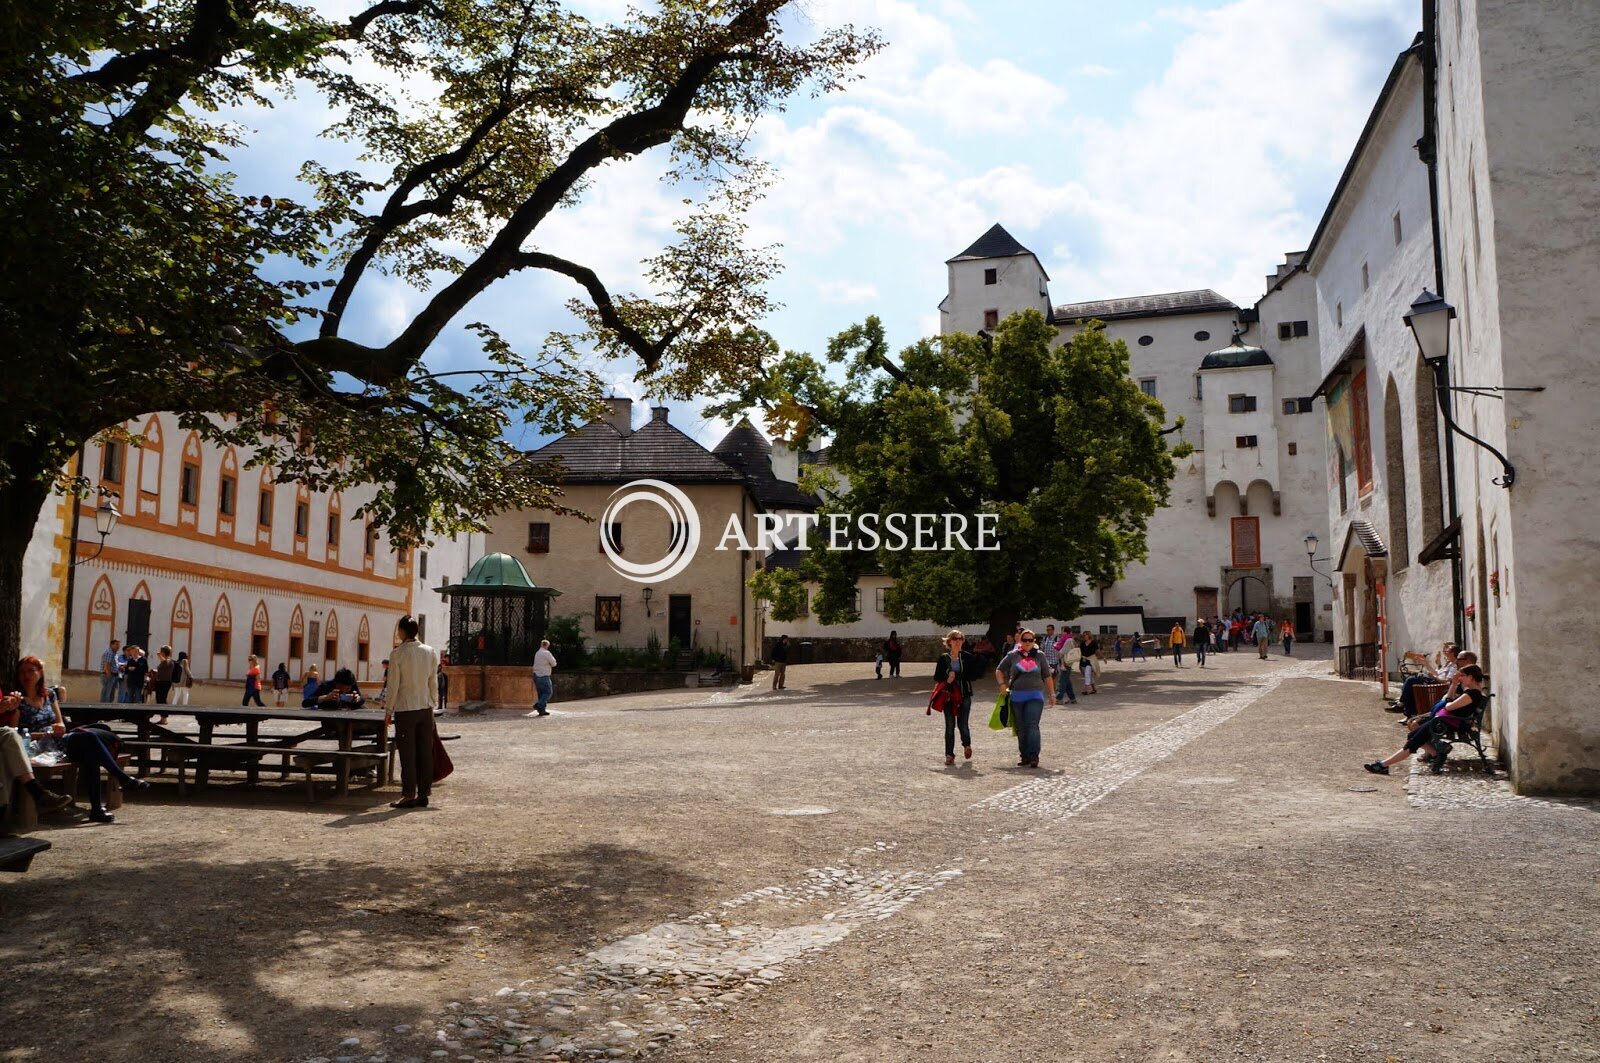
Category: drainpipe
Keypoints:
(1428, 149)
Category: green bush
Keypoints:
(566, 640)
(652, 651)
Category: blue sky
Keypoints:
(1136, 148)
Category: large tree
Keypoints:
(139, 276)
(1052, 437)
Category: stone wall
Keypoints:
(512, 685)
(835, 650)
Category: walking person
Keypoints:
(280, 685)
(956, 667)
(1051, 648)
(1136, 648)
(892, 651)
(444, 688)
(544, 667)
(164, 669)
(413, 686)
(111, 671)
(252, 683)
(1087, 649)
(1024, 675)
(1117, 648)
(1071, 660)
(1288, 638)
(1202, 639)
(780, 661)
(1175, 640)
(1261, 631)
(182, 680)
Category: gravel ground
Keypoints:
(1201, 871)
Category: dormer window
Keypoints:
(991, 276)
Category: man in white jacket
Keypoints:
(410, 695)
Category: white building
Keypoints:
(213, 558)
(1234, 533)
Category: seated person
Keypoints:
(1451, 716)
(91, 748)
(340, 692)
(38, 708)
(1417, 719)
(1445, 672)
(15, 766)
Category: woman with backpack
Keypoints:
(182, 680)
(954, 672)
(1024, 675)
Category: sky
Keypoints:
(1136, 148)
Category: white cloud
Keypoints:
(847, 291)
(1094, 71)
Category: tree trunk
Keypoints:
(20, 501)
(1002, 622)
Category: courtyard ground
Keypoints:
(1201, 871)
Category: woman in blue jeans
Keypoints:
(958, 666)
(1025, 676)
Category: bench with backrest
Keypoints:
(1469, 733)
(17, 853)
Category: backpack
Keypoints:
(177, 672)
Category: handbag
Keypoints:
(442, 764)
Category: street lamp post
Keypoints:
(1312, 542)
(105, 522)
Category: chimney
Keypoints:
(621, 415)
(658, 413)
(785, 462)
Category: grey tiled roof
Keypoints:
(746, 449)
(996, 243)
(1201, 301)
(598, 453)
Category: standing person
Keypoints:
(308, 685)
(182, 680)
(544, 666)
(413, 685)
(1202, 640)
(891, 653)
(1288, 638)
(134, 673)
(1052, 650)
(280, 685)
(1071, 659)
(877, 665)
(1117, 646)
(780, 661)
(957, 666)
(1175, 640)
(111, 671)
(1136, 648)
(1088, 648)
(252, 683)
(164, 669)
(1024, 675)
(1219, 632)
(1261, 631)
(444, 687)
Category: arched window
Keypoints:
(260, 631)
(228, 494)
(221, 639)
(189, 482)
(150, 460)
(1431, 490)
(302, 519)
(102, 625)
(335, 527)
(297, 641)
(364, 647)
(266, 506)
(330, 645)
(182, 623)
(1394, 475)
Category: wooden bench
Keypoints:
(17, 853)
(1470, 733)
(182, 754)
(310, 759)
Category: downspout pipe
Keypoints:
(1428, 149)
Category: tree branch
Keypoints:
(649, 351)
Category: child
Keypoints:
(878, 664)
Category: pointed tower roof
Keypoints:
(747, 450)
(996, 243)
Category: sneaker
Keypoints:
(1377, 767)
(53, 802)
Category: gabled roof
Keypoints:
(747, 450)
(599, 454)
(996, 243)
(1363, 533)
(1200, 301)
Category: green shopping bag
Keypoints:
(1000, 718)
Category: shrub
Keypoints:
(566, 640)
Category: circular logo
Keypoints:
(685, 530)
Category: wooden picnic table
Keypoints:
(340, 725)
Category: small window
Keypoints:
(258, 646)
(364, 652)
(1148, 386)
(1366, 278)
(1305, 405)
(991, 276)
(805, 603)
(112, 459)
(1338, 314)
(1293, 449)
(1285, 330)
(991, 319)
(264, 509)
(1302, 328)
(1290, 406)
(422, 567)
(297, 646)
(422, 628)
(538, 537)
(302, 519)
(330, 650)
(607, 613)
(877, 596)
(333, 529)
(189, 485)
(1202, 335)
(1245, 442)
(857, 605)
(220, 641)
(611, 534)
(1241, 404)
(227, 491)
(1199, 385)
(1398, 232)
(369, 545)
(1145, 341)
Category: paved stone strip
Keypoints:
(632, 997)
(1090, 780)
(1469, 788)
